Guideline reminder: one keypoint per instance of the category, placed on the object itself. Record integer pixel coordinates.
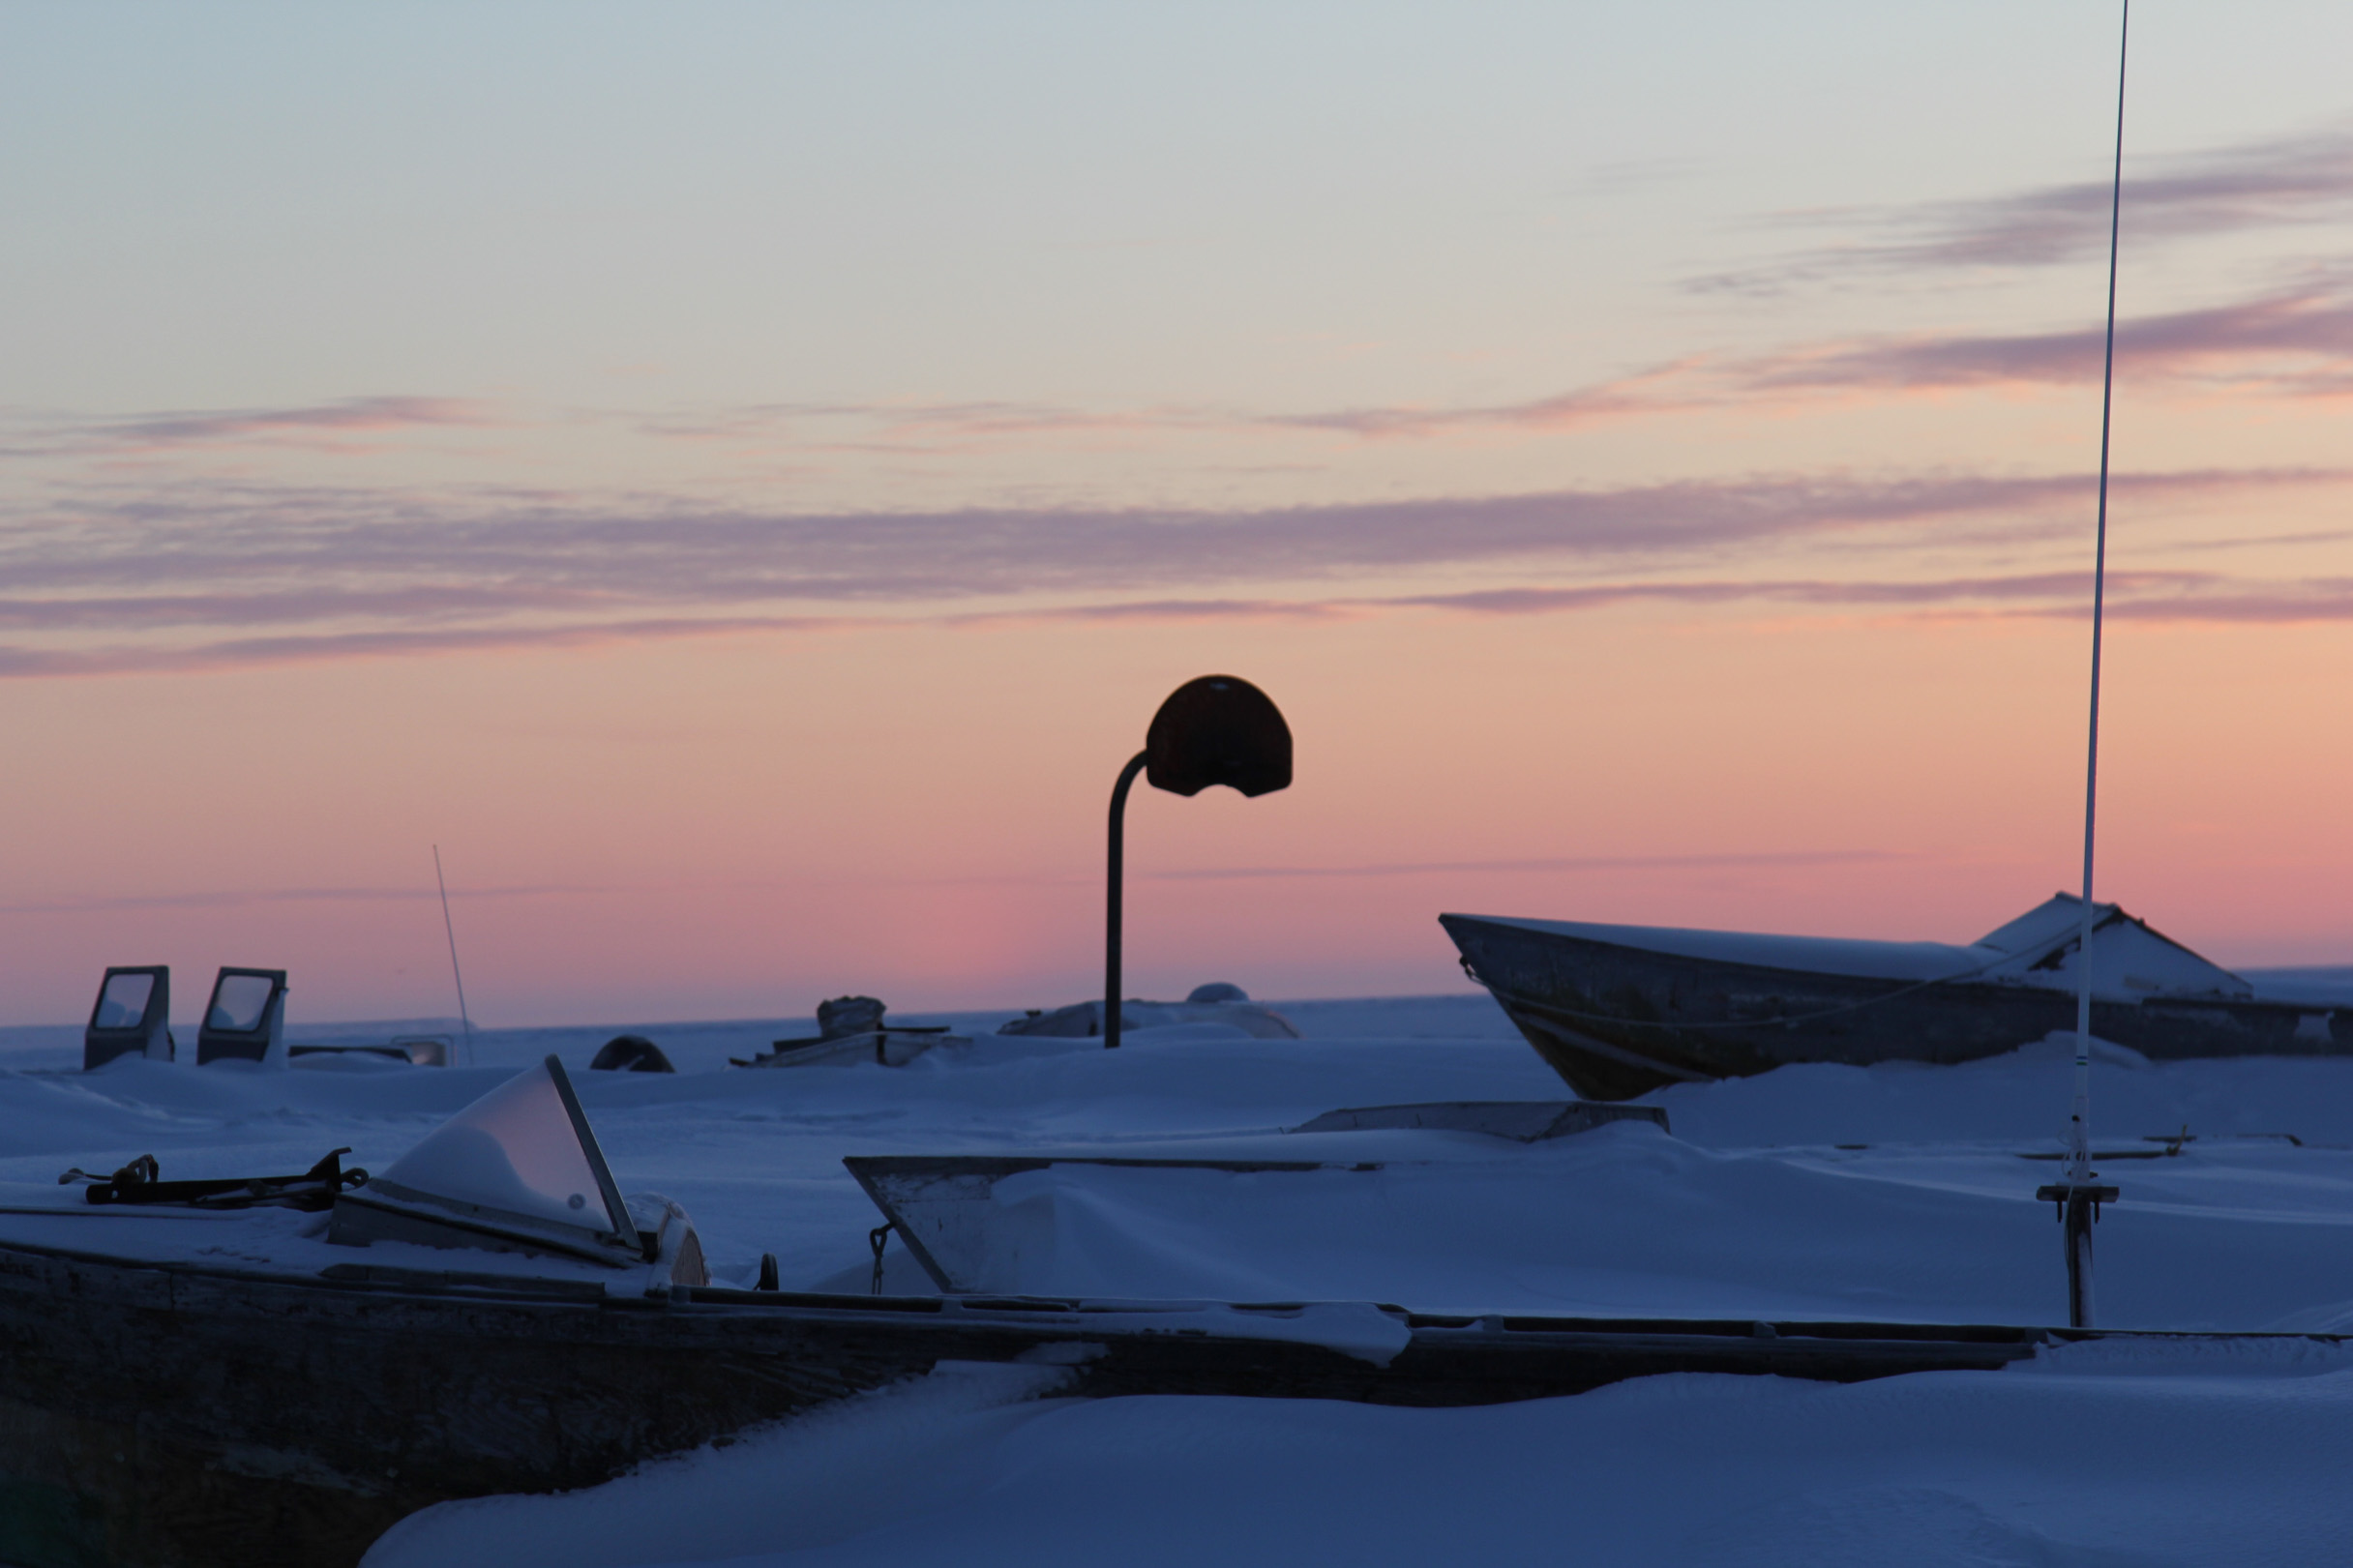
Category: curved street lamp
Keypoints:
(1216, 730)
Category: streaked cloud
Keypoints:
(2241, 343)
(2154, 596)
(255, 897)
(2294, 180)
(244, 554)
(1765, 859)
(2292, 342)
(426, 894)
(300, 425)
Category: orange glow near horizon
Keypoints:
(739, 827)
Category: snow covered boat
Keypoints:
(185, 1412)
(977, 1224)
(1218, 1002)
(275, 1371)
(1621, 1010)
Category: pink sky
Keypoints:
(1668, 536)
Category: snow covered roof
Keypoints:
(2129, 958)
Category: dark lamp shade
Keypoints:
(1218, 729)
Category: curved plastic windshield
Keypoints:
(237, 1002)
(123, 1003)
(512, 1149)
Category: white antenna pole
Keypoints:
(2078, 1196)
(442, 882)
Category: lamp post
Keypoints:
(1216, 729)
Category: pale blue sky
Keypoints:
(224, 204)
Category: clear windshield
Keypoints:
(512, 1149)
(237, 1002)
(123, 1003)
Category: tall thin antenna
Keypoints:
(2078, 1197)
(446, 925)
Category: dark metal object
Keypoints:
(1525, 1121)
(1213, 730)
(222, 1038)
(195, 1416)
(624, 1228)
(1113, 899)
(114, 1030)
(2078, 1203)
(1617, 1021)
(630, 1054)
(1218, 729)
(313, 1190)
(450, 928)
(416, 1049)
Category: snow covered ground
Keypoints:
(1892, 1191)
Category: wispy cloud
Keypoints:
(2177, 597)
(2292, 342)
(234, 555)
(1661, 389)
(2244, 342)
(2304, 179)
(2304, 602)
(1555, 862)
(248, 898)
(926, 425)
(2156, 596)
(310, 425)
(239, 652)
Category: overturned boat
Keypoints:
(1622, 1010)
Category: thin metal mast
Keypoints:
(2078, 1197)
(450, 928)
(2079, 1130)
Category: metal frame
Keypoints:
(623, 1227)
(237, 1045)
(100, 1047)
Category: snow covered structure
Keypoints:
(1218, 1002)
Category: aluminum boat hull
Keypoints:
(1617, 1020)
(182, 1415)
